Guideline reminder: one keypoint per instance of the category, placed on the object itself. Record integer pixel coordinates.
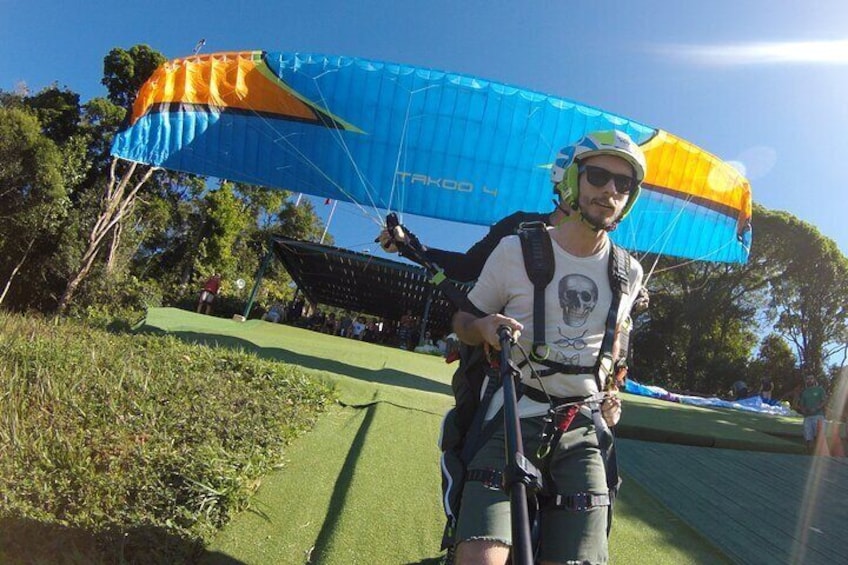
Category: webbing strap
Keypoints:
(478, 433)
(539, 263)
(555, 367)
(578, 502)
(539, 396)
(619, 271)
(491, 478)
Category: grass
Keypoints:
(124, 448)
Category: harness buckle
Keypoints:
(534, 352)
(581, 501)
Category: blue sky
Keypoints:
(760, 82)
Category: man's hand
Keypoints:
(388, 240)
(611, 410)
(474, 331)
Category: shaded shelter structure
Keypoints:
(362, 283)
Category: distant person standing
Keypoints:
(740, 390)
(345, 325)
(358, 328)
(766, 389)
(406, 329)
(811, 405)
(208, 294)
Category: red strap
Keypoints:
(565, 419)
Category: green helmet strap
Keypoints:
(572, 181)
(568, 188)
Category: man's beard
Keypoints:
(599, 221)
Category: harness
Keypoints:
(537, 250)
(539, 263)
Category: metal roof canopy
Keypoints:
(363, 283)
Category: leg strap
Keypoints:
(578, 502)
(491, 478)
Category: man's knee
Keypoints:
(482, 552)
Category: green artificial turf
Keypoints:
(363, 488)
(364, 485)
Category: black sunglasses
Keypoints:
(598, 176)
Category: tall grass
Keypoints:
(128, 444)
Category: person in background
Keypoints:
(358, 328)
(295, 310)
(766, 389)
(330, 324)
(276, 314)
(345, 324)
(316, 321)
(372, 331)
(739, 390)
(811, 405)
(406, 330)
(207, 296)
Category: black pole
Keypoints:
(422, 330)
(519, 472)
(259, 274)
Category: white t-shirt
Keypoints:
(577, 302)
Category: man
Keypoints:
(598, 180)
(811, 405)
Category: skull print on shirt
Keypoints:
(578, 296)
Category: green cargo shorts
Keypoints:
(576, 466)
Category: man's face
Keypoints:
(602, 205)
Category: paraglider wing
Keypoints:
(426, 142)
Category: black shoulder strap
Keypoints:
(539, 263)
(619, 279)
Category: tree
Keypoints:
(794, 283)
(58, 111)
(698, 332)
(33, 198)
(225, 230)
(776, 361)
(808, 300)
(125, 71)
